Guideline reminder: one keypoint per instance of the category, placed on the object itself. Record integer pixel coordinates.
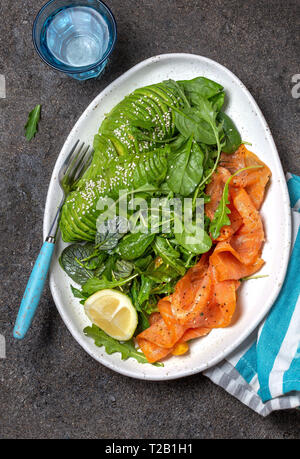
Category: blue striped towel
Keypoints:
(264, 372)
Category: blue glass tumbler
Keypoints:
(75, 37)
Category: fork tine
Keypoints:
(73, 160)
(77, 166)
(87, 161)
(76, 163)
(68, 158)
(83, 164)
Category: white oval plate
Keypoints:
(255, 297)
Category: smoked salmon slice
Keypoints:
(164, 331)
(205, 297)
(215, 189)
(253, 181)
(228, 266)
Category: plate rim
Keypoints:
(286, 211)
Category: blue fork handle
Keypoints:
(33, 290)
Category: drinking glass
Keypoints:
(75, 37)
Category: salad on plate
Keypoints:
(164, 225)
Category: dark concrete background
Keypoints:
(49, 386)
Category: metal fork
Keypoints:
(70, 172)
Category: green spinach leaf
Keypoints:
(185, 168)
(190, 122)
(134, 245)
(232, 136)
(199, 88)
(195, 240)
(218, 101)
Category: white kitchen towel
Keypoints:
(264, 372)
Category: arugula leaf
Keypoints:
(161, 273)
(107, 271)
(32, 122)
(78, 293)
(143, 322)
(94, 284)
(185, 168)
(164, 288)
(111, 345)
(221, 214)
(140, 293)
(141, 264)
(169, 255)
(145, 289)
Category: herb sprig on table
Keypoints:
(32, 122)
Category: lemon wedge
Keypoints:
(113, 312)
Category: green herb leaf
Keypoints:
(161, 274)
(221, 214)
(32, 122)
(169, 255)
(232, 136)
(71, 264)
(190, 121)
(93, 284)
(145, 289)
(192, 241)
(134, 245)
(111, 345)
(109, 233)
(122, 269)
(200, 88)
(185, 168)
(78, 293)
